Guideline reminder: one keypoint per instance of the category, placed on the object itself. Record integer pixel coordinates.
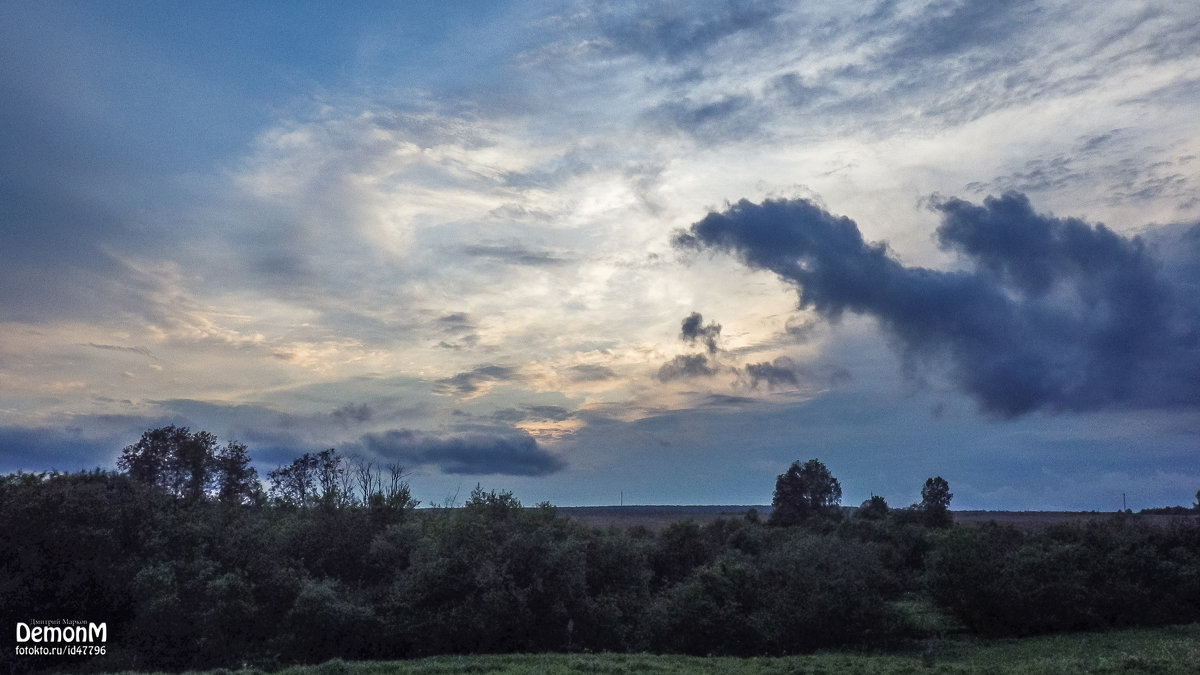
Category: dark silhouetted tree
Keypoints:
(397, 494)
(296, 483)
(875, 508)
(332, 480)
(173, 458)
(935, 501)
(803, 492)
(237, 481)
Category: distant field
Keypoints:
(1170, 650)
(657, 517)
(1033, 520)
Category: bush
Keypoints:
(805, 592)
(1070, 577)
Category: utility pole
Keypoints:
(1123, 505)
(622, 498)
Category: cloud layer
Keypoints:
(448, 229)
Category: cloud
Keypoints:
(776, 373)
(728, 117)
(968, 25)
(41, 449)
(472, 381)
(686, 366)
(118, 348)
(459, 326)
(513, 454)
(675, 32)
(693, 330)
(513, 254)
(534, 413)
(586, 372)
(1055, 314)
(351, 414)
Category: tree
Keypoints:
(803, 492)
(237, 481)
(935, 501)
(875, 508)
(332, 479)
(1196, 504)
(295, 484)
(324, 478)
(173, 458)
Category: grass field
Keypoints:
(658, 517)
(1174, 649)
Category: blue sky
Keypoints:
(583, 249)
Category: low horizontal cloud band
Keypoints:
(511, 454)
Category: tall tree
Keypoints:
(935, 501)
(295, 484)
(237, 480)
(803, 492)
(173, 458)
(875, 508)
(323, 478)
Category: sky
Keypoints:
(605, 252)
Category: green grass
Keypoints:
(1174, 649)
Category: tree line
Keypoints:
(192, 562)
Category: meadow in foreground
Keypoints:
(1166, 650)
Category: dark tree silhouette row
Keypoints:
(191, 563)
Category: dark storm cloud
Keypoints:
(1056, 314)
(781, 371)
(693, 330)
(468, 382)
(512, 454)
(686, 366)
(40, 449)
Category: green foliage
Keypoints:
(237, 480)
(798, 593)
(338, 565)
(805, 492)
(935, 502)
(875, 508)
(1070, 577)
(173, 458)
